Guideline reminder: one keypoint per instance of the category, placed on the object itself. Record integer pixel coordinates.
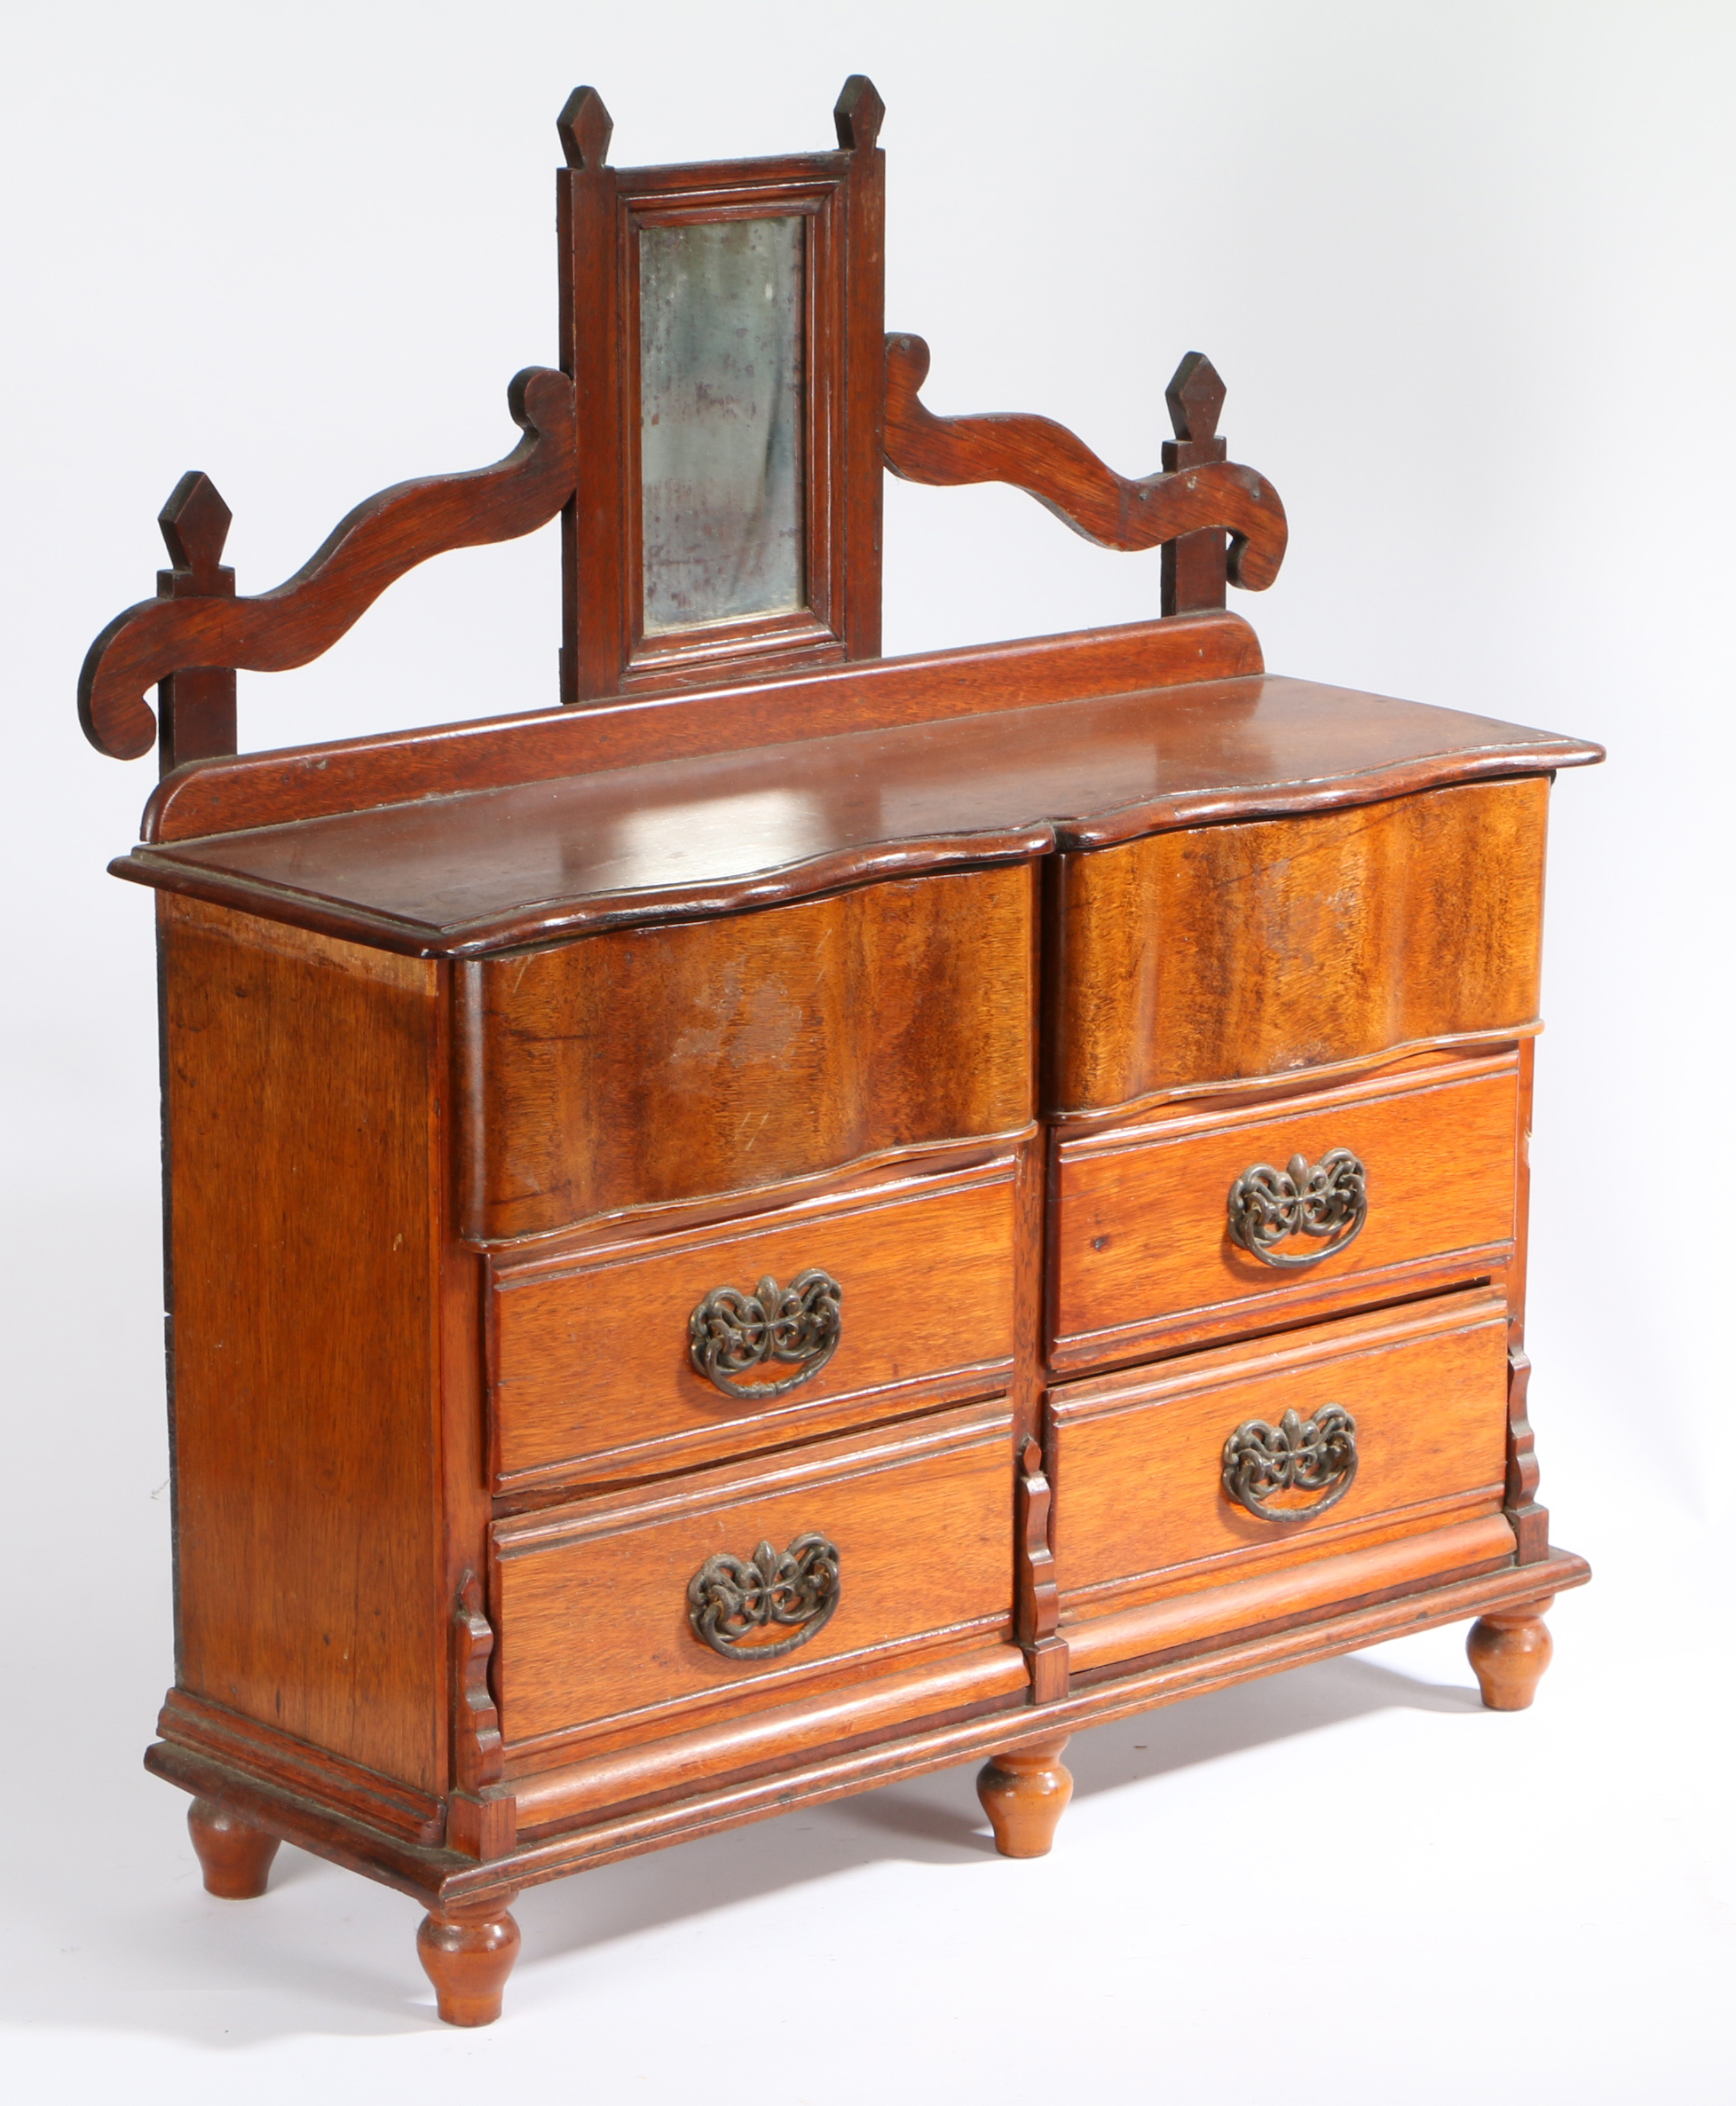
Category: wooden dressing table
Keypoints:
(799, 1218)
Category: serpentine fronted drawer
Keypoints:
(1187, 1229)
(655, 1355)
(649, 1065)
(1222, 955)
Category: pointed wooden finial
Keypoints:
(196, 524)
(858, 113)
(1196, 397)
(586, 129)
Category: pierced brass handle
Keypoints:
(1316, 1455)
(729, 1599)
(1326, 1199)
(797, 1326)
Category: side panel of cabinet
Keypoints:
(1252, 950)
(303, 1079)
(721, 1056)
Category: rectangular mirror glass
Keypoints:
(721, 414)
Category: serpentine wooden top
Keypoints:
(468, 870)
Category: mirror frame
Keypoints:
(603, 211)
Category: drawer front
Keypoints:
(661, 1357)
(1142, 1505)
(1247, 951)
(651, 1606)
(1202, 1228)
(652, 1066)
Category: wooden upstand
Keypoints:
(799, 1218)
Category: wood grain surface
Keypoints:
(1065, 476)
(1257, 948)
(1139, 1497)
(721, 1056)
(302, 1078)
(1143, 1259)
(351, 775)
(370, 547)
(1285, 1597)
(495, 869)
(592, 1376)
(838, 1772)
(592, 1598)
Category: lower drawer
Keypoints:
(1175, 1478)
(740, 1584)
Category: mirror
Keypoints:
(720, 384)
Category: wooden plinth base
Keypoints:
(1508, 1649)
(468, 1954)
(235, 1858)
(466, 1892)
(1024, 1793)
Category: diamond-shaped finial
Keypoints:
(858, 113)
(1196, 397)
(586, 129)
(196, 524)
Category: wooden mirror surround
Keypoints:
(702, 1274)
(710, 314)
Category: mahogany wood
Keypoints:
(274, 789)
(1143, 1257)
(1212, 1608)
(602, 211)
(468, 1954)
(1024, 1792)
(302, 1084)
(235, 1859)
(492, 1052)
(1389, 925)
(592, 1376)
(1063, 474)
(1425, 1384)
(437, 1875)
(1194, 564)
(495, 870)
(1509, 1651)
(918, 1514)
(365, 552)
(1037, 1596)
(195, 708)
(723, 1056)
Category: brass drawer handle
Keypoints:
(1328, 1198)
(1316, 1455)
(729, 1599)
(797, 1326)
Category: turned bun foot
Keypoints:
(468, 1954)
(235, 1859)
(1024, 1793)
(1508, 1649)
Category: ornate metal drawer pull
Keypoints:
(1329, 1198)
(1316, 1455)
(729, 1599)
(798, 1326)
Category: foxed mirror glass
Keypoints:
(721, 387)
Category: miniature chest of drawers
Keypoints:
(801, 1217)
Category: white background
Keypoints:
(1467, 272)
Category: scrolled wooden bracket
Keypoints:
(1528, 1520)
(1061, 472)
(482, 1814)
(1037, 1594)
(388, 534)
